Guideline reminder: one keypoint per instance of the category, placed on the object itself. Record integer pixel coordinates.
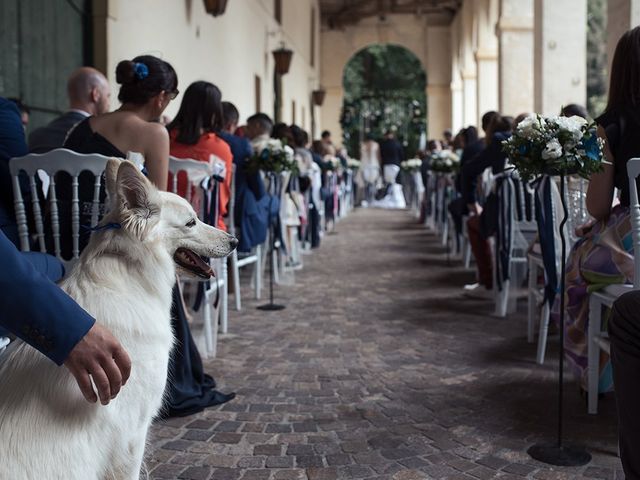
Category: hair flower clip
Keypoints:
(141, 70)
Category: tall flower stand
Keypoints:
(274, 189)
(559, 453)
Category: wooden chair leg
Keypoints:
(236, 280)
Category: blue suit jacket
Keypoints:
(252, 203)
(35, 309)
(12, 144)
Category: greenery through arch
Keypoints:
(384, 89)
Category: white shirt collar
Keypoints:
(81, 112)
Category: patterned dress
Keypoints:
(605, 257)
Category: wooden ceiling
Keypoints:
(341, 13)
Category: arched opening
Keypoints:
(384, 89)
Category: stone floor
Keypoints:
(380, 368)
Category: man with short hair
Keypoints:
(88, 92)
(258, 129)
(249, 187)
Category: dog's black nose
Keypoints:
(233, 241)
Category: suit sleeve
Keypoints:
(489, 157)
(36, 310)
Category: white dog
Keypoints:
(124, 278)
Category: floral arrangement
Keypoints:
(330, 162)
(554, 146)
(411, 165)
(353, 163)
(273, 156)
(445, 161)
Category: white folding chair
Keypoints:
(547, 191)
(597, 339)
(197, 172)
(49, 164)
(237, 263)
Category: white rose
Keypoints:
(528, 127)
(553, 150)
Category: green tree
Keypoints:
(384, 89)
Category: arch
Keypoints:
(384, 89)
(339, 46)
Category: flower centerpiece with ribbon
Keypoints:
(412, 165)
(445, 161)
(273, 156)
(554, 146)
(330, 163)
(353, 163)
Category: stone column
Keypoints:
(469, 98)
(560, 56)
(457, 106)
(438, 67)
(622, 15)
(486, 57)
(515, 56)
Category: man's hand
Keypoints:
(100, 355)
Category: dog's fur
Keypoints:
(124, 278)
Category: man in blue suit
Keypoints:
(35, 310)
(251, 207)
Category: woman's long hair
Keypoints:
(200, 112)
(624, 83)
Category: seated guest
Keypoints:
(491, 157)
(148, 84)
(192, 134)
(12, 144)
(88, 92)
(604, 255)
(258, 130)
(250, 215)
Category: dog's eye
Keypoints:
(191, 223)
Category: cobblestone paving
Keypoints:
(380, 369)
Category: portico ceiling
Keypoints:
(341, 13)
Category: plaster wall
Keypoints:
(229, 50)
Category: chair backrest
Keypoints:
(633, 171)
(195, 171)
(59, 160)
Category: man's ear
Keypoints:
(138, 199)
(110, 176)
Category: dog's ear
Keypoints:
(139, 206)
(110, 176)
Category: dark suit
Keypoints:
(35, 309)
(251, 200)
(52, 136)
(12, 144)
(391, 152)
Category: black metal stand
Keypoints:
(558, 453)
(271, 307)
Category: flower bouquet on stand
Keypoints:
(445, 161)
(330, 163)
(273, 156)
(354, 164)
(412, 165)
(556, 146)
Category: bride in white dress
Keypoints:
(369, 172)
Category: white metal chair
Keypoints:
(597, 339)
(549, 199)
(51, 163)
(515, 238)
(255, 258)
(197, 173)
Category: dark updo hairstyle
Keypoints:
(300, 137)
(143, 78)
(200, 112)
